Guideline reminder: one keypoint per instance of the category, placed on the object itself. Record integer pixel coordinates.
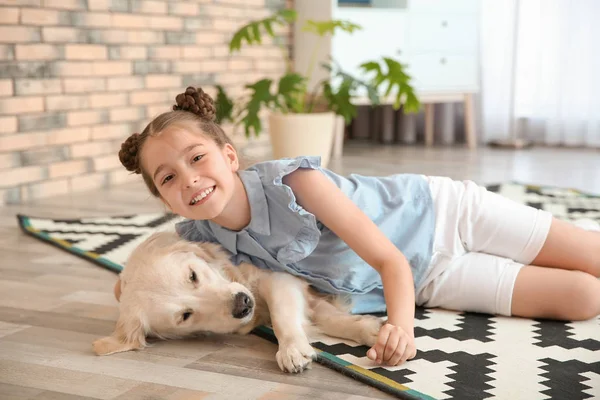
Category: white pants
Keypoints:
(481, 242)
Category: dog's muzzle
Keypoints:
(242, 305)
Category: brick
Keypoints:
(151, 67)
(86, 52)
(21, 105)
(148, 7)
(121, 176)
(7, 52)
(125, 83)
(225, 24)
(44, 17)
(147, 97)
(22, 141)
(84, 85)
(41, 122)
(21, 3)
(24, 69)
(88, 182)
(199, 66)
(78, 118)
(43, 156)
(145, 37)
(67, 102)
(68, 168)
(18, 176)
(127, 52)
(66, 4)
(129, 21)
(162, 81)
(91, 19)
(90, 149)
(198, 79)
(164, 52)
(9, 160)
(64, 35)
(38, 52)
(69, 135)
(155, 110)
(113, 131)
(109, 5)
(222, 10)
(220, 51)
(19, 34)
(180, 38)
(196, 52)
(197, 23)
(112, 68)
(109, 161)
(127, 114)
(210, 38)
(9, 16)
(6, 87)
(107, 36)
(8, 124)
(42, 190)
(108, 100)
(24, 87)
(166, 23)
(181, 8)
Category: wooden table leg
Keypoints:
(429, 118)
(470, 133)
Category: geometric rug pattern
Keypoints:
(460, 355)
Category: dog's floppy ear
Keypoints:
(129, 334)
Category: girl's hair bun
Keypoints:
(129, 153)
(196, 101)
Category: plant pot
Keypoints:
(294, 135)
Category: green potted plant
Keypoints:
(302, 118)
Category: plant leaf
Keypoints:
(323, 28)
(291, 88)
(251, 32)
(261, 96)
(224, 106)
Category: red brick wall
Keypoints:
(78, 76)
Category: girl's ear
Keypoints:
(231, 156)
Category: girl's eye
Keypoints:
(197, 158)
(193, 277)
(167, 179)
(186, 315)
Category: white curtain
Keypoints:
(541, 75)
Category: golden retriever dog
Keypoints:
(172, 288)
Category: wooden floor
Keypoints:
(53, 305)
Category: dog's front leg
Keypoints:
(285, 297)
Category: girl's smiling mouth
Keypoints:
(202, 196)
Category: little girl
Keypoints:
(389, 242)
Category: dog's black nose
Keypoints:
(242, 305)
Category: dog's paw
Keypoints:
(370, 327)
(295, 356)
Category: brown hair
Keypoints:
(194, 107)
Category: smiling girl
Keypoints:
(388, 242)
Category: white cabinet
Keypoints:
(437, 39)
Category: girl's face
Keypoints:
(195, 178)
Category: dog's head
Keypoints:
(173, 288)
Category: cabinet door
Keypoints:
(382, 34)
(443, 72)
(447, 33)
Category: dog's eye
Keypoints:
(193, 277)
(186, 315)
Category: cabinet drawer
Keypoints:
(382, 34)
(456, 34)
(443, 72)
(445, 6)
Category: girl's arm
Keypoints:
(319, 196)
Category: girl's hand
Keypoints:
(394, 346)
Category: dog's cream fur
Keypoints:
(158, 289)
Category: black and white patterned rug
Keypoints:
(461, 355)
